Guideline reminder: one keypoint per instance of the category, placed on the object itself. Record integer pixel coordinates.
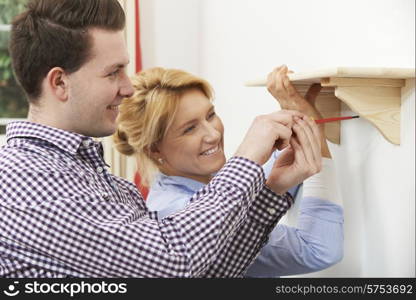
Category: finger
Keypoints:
(269, 76)
(286, 116)
(283, 69)
(286, 83)
(284, 134)
(279, 75)
(273, 81)
(277, 68)
(314, 138)
(287, 152)
(286, 157)
(315, 130)
(274, 71)
(290, 89)
(293, 113)
(272, 75)
(299, 156)
(313, 93)
(302, 135)
(269, 83)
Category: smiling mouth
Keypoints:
(211, 151)
(112, 107)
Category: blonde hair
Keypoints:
(146, 116)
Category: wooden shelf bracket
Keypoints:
(372, 93)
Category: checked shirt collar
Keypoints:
(64, 140)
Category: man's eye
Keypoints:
(113, 74)
(189, 129)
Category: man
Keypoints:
(62, 213)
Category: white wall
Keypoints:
(229, 42)
(170, 33)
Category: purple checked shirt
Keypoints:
(62, 214)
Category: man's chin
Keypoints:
(102, 132)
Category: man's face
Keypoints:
(98, 87)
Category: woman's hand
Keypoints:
(300, 160)
(279, 85)
(268, 132)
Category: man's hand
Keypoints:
(268, 132)
(300, 160)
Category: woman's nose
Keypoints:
(212, 134)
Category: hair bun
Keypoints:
(121, 143)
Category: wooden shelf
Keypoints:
(372, 93)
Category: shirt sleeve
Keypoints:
(317, 242)
(91, 236)
(267, 209)
(324, 185)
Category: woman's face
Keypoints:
(193, 145)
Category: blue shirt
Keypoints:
(315, 244)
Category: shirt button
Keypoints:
(105, 196)
(271, 211)
(86, 143)
(100, 169)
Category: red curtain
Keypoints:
(137, 178)
(138, 47)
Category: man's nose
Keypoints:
(127, 89)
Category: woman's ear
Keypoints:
(153, 152)
(58, 83)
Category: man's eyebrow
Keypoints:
(115, 66)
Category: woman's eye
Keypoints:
(211, 115)
(189, 129)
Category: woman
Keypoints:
(170, 125)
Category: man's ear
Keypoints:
(58, 83)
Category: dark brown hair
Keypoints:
(54, 33)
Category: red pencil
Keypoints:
(335, 119)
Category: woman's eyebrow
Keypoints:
(194, 120)
(187, 123)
